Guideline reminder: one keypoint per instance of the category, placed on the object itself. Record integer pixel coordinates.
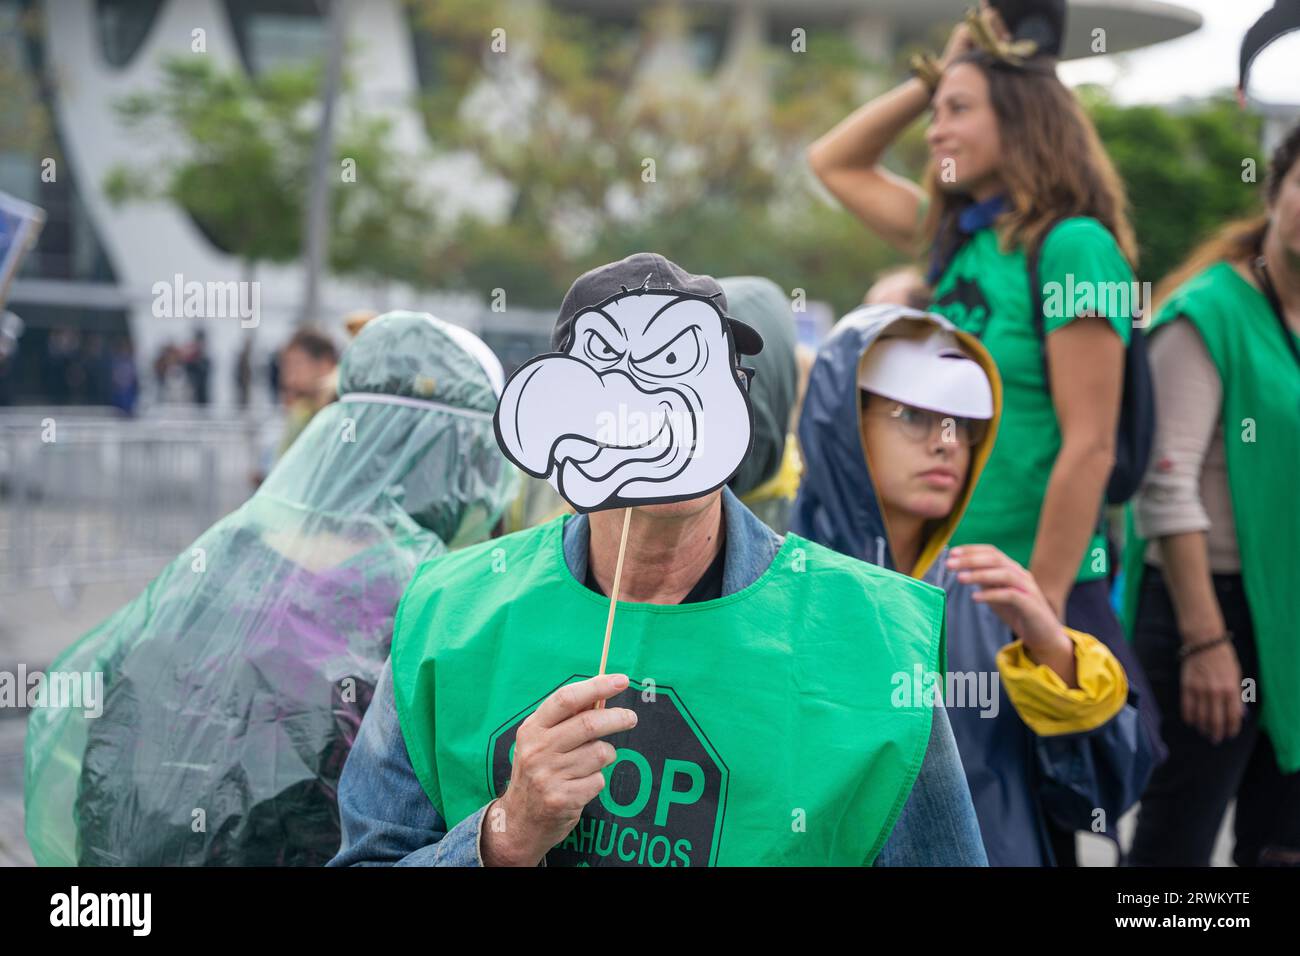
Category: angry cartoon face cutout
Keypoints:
(644, 406)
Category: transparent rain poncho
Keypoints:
(235, 684)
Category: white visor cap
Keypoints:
(930, 372)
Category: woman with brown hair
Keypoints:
(1214, 593)
(1018, 187)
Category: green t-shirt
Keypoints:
(985, 291)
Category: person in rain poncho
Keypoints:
(769, 476)
(901, 414)
(236, 682)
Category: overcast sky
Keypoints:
(1199, 63)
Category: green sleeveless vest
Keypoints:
(1261, 431)
(767, 729)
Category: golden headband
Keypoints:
(1011, 52)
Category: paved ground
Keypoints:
(34, 629)
(1098, 851)
(13, 845)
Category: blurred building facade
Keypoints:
(97, 264)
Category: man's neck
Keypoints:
(666, 555)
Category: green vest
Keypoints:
(1261, 433)
(768, 729)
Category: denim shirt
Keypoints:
(387, 818)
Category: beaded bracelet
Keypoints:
(1185, 651)
(925, 67)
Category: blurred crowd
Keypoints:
(1093, 507)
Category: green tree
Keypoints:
(24, 123)
(1182, 168)
(601, 164)
(731, 191)
(242, 149)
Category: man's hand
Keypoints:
(1015, 597)
(557, 768)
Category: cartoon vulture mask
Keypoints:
(644, 405)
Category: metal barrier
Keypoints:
(93, 498)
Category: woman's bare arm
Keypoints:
(1086, 359)
(847, 161)
(1191, 586)
(1210, 698)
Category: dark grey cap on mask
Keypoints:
(646, 270)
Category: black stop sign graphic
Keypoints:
(665, 796)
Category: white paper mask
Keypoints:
(644, 406)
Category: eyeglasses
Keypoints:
(918, 424)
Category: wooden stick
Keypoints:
(613, 596)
